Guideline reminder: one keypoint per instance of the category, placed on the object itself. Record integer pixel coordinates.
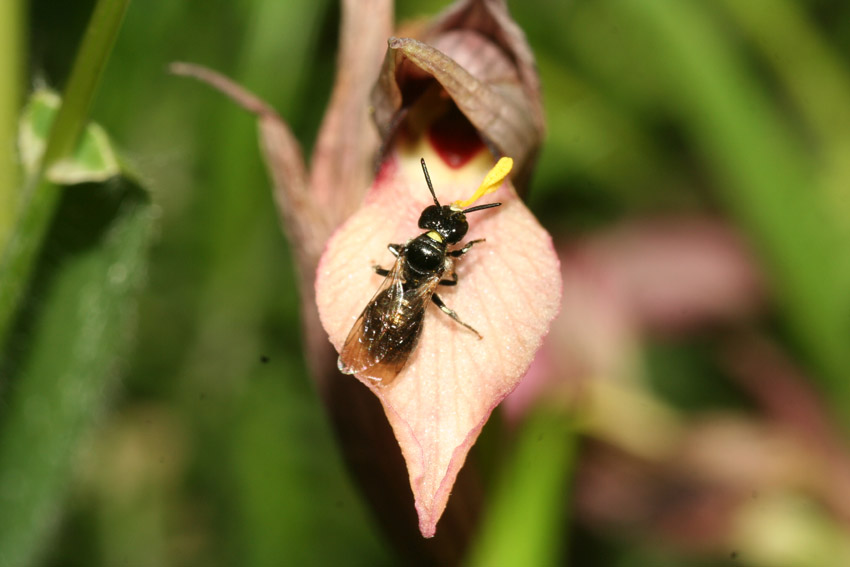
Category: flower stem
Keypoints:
(527, 515)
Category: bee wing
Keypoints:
(382, 338)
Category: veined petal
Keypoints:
(509, 289)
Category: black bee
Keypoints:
(386, 333)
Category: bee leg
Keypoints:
(439, 302)
(396, 250)
(452, 281)
(381, 271)
(465, 249)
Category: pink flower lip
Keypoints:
(508, 289)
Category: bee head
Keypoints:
(448, 222)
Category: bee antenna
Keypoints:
(481, 207)
(428, 181)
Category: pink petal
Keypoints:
(509, 290)
(593, 337)
(679, 273)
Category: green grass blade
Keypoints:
(766, 179)
(816, 77)
(11, 58)
(40, 196)
(526, 517)
(67, 347)
(88, 67)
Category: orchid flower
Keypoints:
(460, 94)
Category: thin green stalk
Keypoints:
(526, 522)
(765, 177)
(41, 195)
(11, 41)
(88, 67)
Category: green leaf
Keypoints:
(766, 177)
(11, 90)
(815, 77)
(68, 324)
(93, 159)
(65, 351)
(40, 194)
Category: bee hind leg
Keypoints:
(439, 302)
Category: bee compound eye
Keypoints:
(457, 229)
(430, 217)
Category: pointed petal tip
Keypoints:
(427, 525)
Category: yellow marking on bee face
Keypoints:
(434, 235)
(491, 182)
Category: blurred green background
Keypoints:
(212, 448)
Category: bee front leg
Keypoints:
(465, 249)
(439, 302)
